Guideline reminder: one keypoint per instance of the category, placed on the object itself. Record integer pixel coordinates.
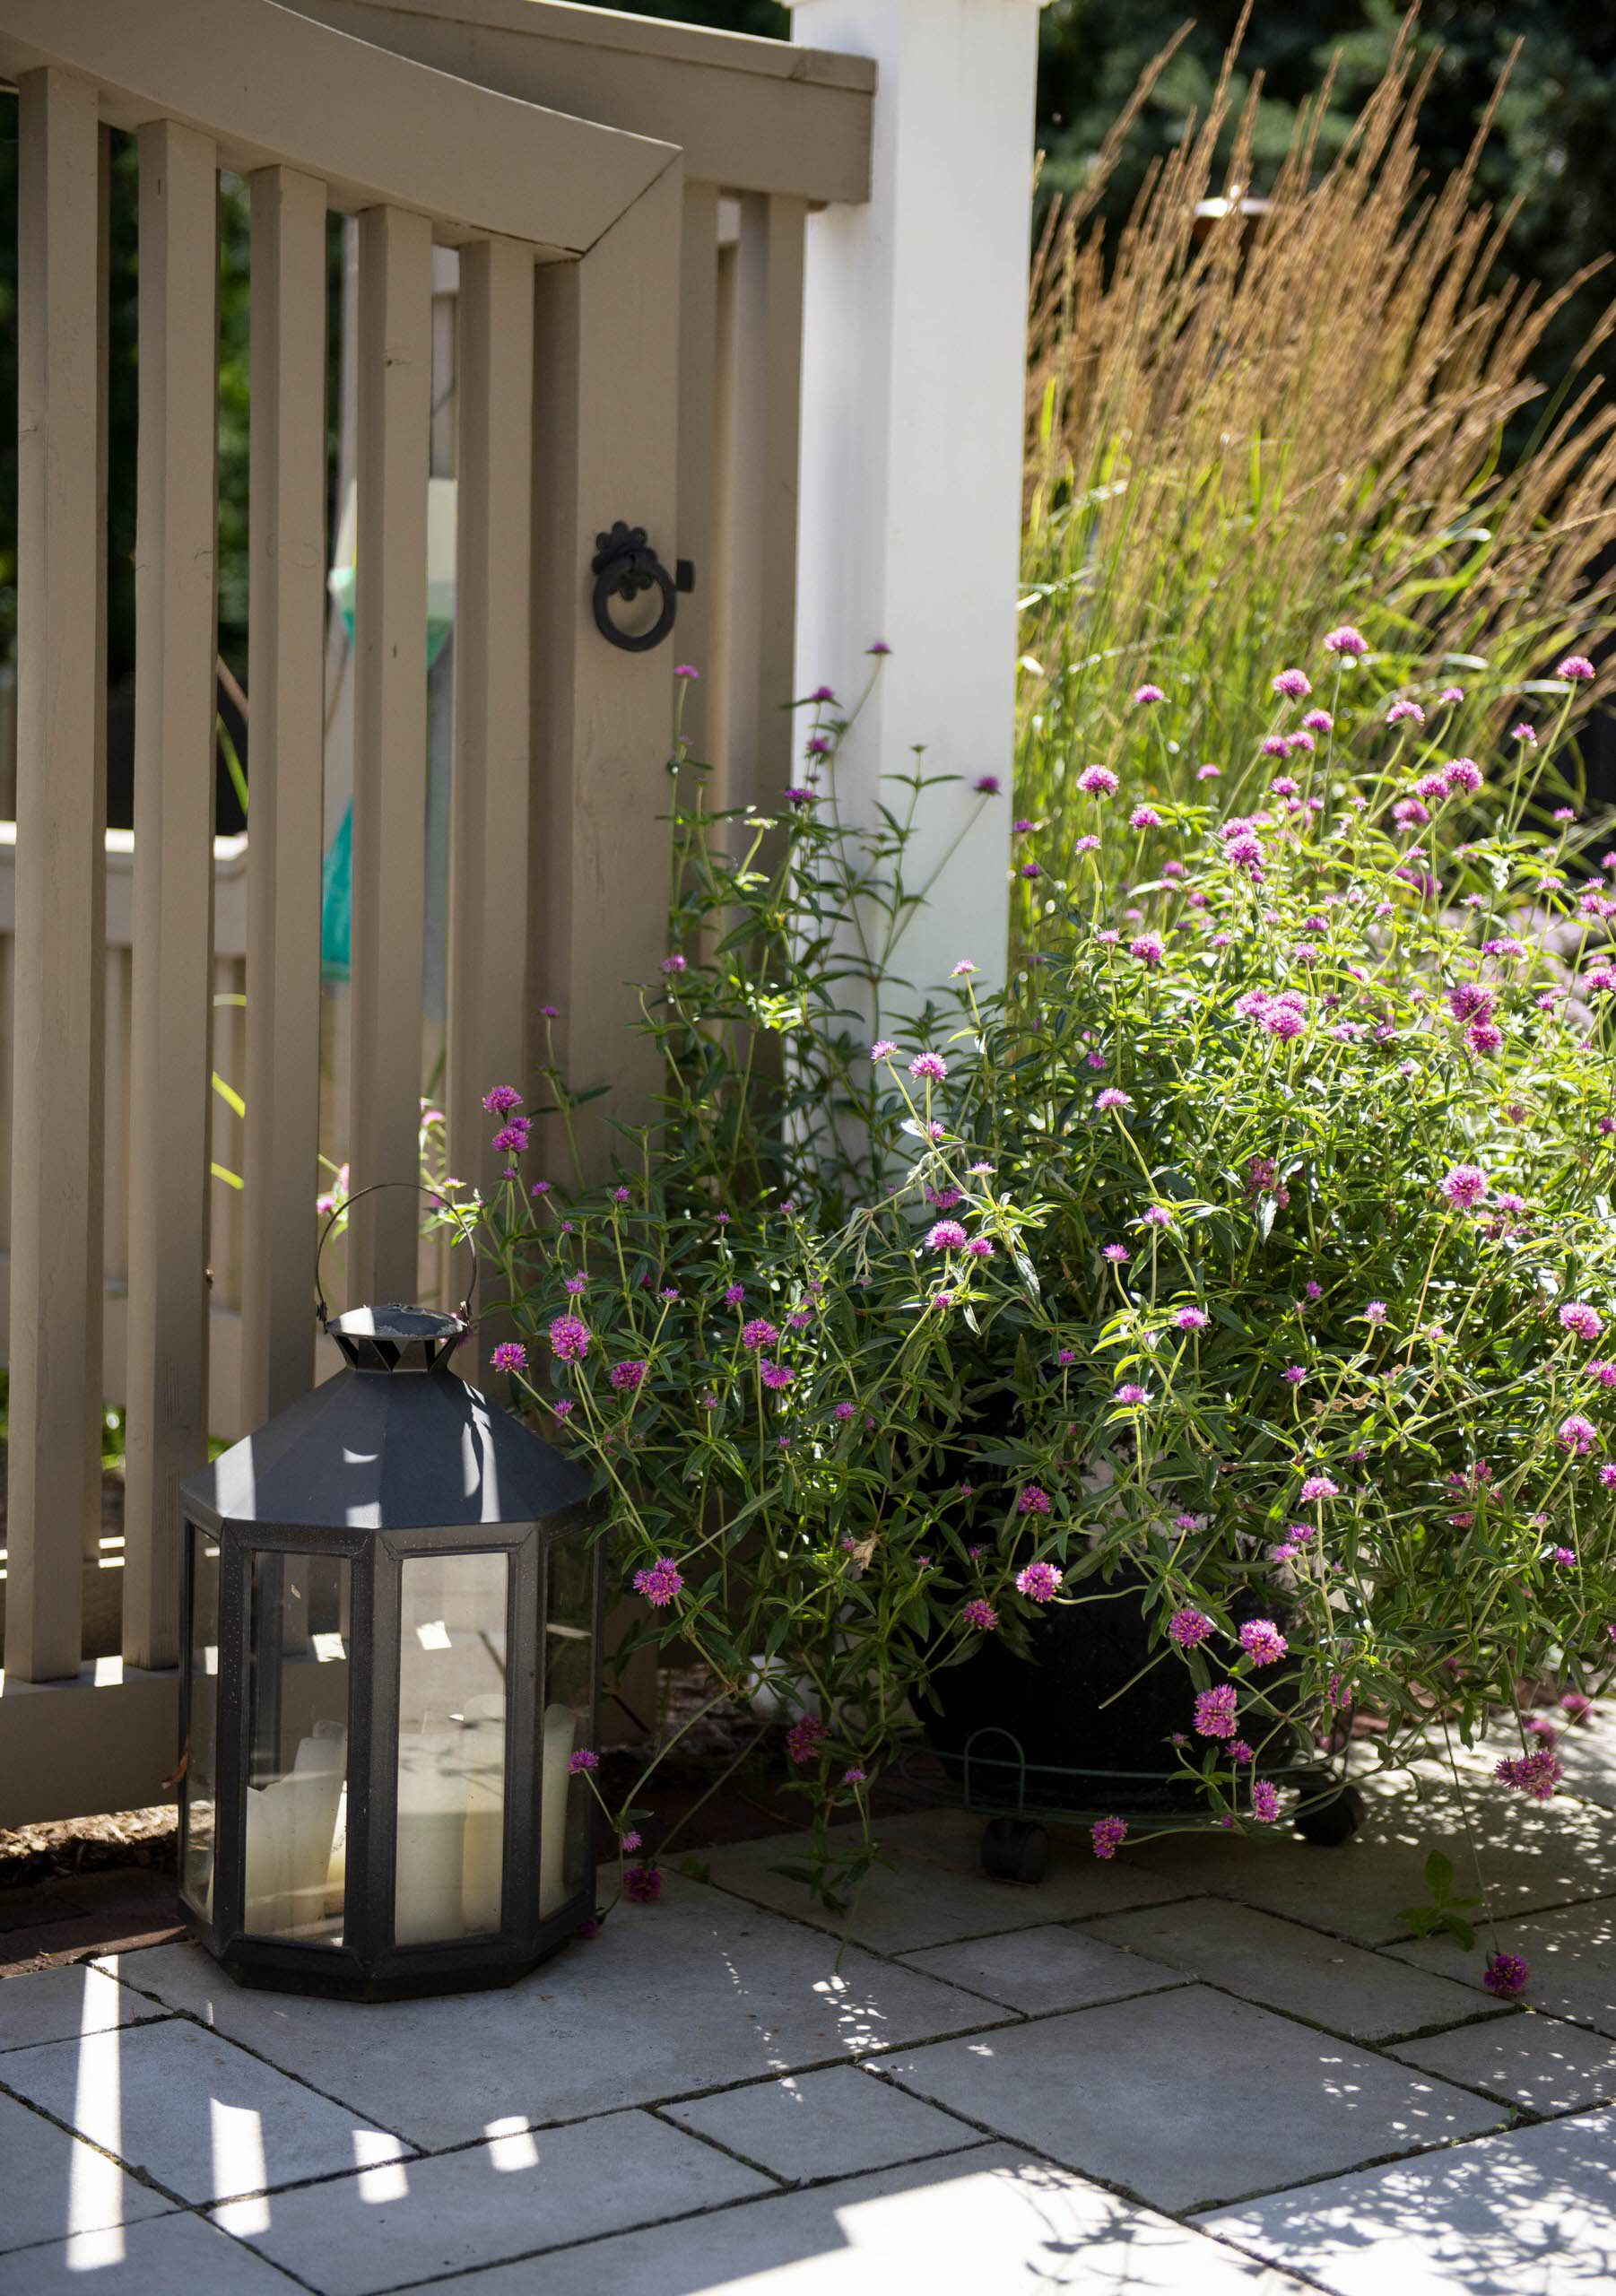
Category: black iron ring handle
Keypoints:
(342, 1211)
(625, 566)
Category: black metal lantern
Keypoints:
(391, 1652)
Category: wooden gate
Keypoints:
(579, 244)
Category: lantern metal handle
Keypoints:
(464, 1311)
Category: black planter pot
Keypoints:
(1060, 1712)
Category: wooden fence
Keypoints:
(628, 204)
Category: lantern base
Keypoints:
(332, 1977)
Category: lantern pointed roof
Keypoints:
(407, 1449)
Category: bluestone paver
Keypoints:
(169, 2255)
(1531, 2212)
(53, 2185)
(831, 2123)
(1188, 2097)
(1036, 1971)
(59, 2005)
(1531, 2060)
(1571, 1954)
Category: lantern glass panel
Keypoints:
(202, 1764)
(298, 1641)
(564, 1812)
(450, 1848)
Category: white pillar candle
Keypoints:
(483, 1877)
(266, 1851)
(555, 1786)
(430, 1843)
(313, 1791)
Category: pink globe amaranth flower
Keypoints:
(798, 798)
(1534, 1774)
(1097, 781)
(1264, 1801)
(563, 1407)
(1402, 710)
(1108, 1835)
(1113, 1097)
(879, 648)
(580, 1761)
(1284, 785)
(1576, 667)
(642, 1884)
(676, 963)
(501, 1099)
(1130, 1392)
(979, 1616)
(1577, 1434)
(1462, 773)
(1607, 1474)
(1294, 684)
(1148, 948)
(1215, 1711)
(1209, 773)
(1483, 1037)
(1030, 869)
(1188, 1628)
(733, 1294)
(631, 1840)
(854, 1776)
(1318, 1486)
(511, 1139)
(570, 1339)
(1284, 1022)
(1273, 745)
(686, 670)
(1576, 1706)
(818, 746)
(1525, 734)
(774, 1375)
(964, 966)
(1506, 1976)
(1319, 721)
(1466, 1186)
(930, 1066)
(1153, 693)
(1469, 1000)
(1087, 845)
(845, 1411)
(1117, 1253)
(1157, 1215)
(1564, 1557)
(1294, 1375)
(1191, 1319)
(1585, 1321)
(804, 1739)
(987, 784)
(1451, 693)
(626, 1377)
(759, 1334)
(1040, 1582)
(1346, 641)
(1263, 1642)
(1145, 817)
(510, 1355)
(979, 1247)
(882, 1048)
(659, 1582)
(1031, 1500)
(946, 1235)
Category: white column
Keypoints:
(913, 367)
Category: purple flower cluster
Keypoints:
(659, 1582)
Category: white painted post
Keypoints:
(913, 391)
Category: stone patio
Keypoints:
(1217, 2064)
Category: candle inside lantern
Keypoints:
(431, 1854)
(291, 1821)
(482, 1883)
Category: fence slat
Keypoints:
(488, 891)
(697, 437)
(286, 615)
(56, 1226)
(389, 742)
(605, 448)
(762, 601)
(174, 649)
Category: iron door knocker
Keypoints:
(625, 566)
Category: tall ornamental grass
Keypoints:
(1246, 430)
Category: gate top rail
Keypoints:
(748, 114)
(273, 86)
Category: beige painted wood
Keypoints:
(55, 1222)
(697, 433)
(389, 743)
(488, 885)
(718, 679)
(606, 440)
(286, 618)
(272, 87)
(105, 1740)
(756, 115)
(761, 606)
(175, 638)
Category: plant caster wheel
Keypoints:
(1014, 1849)
(1327, 1824)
